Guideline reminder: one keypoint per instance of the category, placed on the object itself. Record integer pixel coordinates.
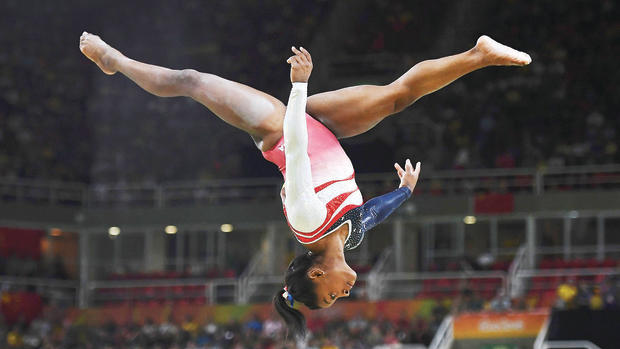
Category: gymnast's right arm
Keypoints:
(376, 210)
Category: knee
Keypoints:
(402, 96)
(187, 77)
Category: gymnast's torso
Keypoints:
(333, 178)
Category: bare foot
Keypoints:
(495, 53)
(104, 55)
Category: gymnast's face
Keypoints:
(331, 283)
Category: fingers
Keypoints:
(416, 172)
(298, 54)
(409, 169)
(303, 54)
(306, 54)
(408, 166)
(294, 61)
(399, 170)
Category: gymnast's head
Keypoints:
(314, 281)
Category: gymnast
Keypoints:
(322, 203)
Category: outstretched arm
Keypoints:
(377, 209)
(304, 210)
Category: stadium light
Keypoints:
(226, 228)
(114, 231)
(171, 229)
(469, 220)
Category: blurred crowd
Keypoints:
(44, 132)
(561, 110)
(26, 266)
(54, 330)
(573, 294)
(61, 119)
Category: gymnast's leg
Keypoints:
(250, 110)
(350, 111)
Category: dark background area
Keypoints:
(62, 119)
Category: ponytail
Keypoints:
(301, 288)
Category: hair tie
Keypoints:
(288, 296)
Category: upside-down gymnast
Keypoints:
(322, 204)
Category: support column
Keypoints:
(83, 291)
(221, 249)
(494, 237)
(117, 252)
(155, 253)
(600, 237)
(566, 246)
(193, 247)
(412, 246)
(148, 250)
(530, 238)
(180, 249)
(429, 244)
(398, 244)
(211, 260)
(270, 263)
(460, 238)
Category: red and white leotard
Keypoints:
(319, 177)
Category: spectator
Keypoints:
(149, 332)
(167, 333)
(584, 295)
(596, 301)
(610, 294)
(566, 292)
(501, 302)
(255, 325)
(189, 329)
(14, 338)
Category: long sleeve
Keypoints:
(371, 213)
(304, 209)
(377, 209)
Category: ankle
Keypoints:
(477, 57)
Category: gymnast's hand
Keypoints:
(408, 176)
(301, 65)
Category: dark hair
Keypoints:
(302, 289)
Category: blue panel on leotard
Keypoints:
(371, 213)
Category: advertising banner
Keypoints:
(499, 325)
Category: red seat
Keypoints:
(593, 263)
(199, 300)
(182, 302)
(428, 285)
(453, 266)
(546, 264)
(559, 264)
(577, 263)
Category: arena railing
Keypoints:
(214, 291)
(523, 273)
(246, 287)
(536, 181)
(402, 285)
(514, 285)
(445, 334)
(60, 292)
(43, 192)
(375, 276)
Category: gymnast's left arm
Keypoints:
(376, 210)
